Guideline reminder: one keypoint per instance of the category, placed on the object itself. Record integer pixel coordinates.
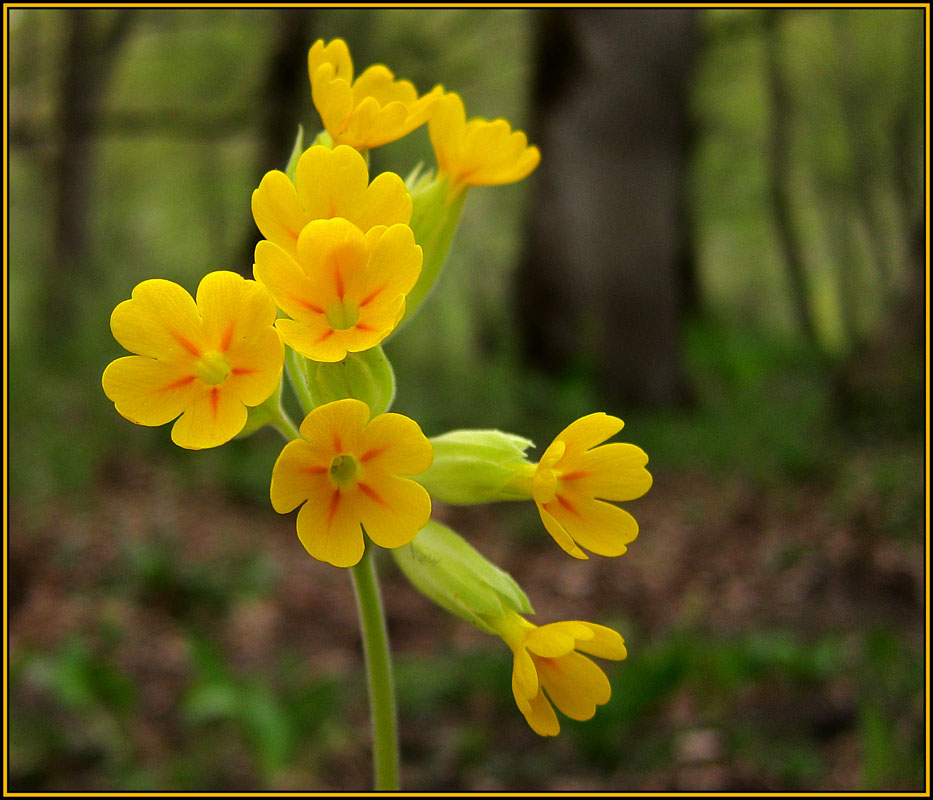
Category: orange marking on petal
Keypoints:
(177, 384)
(338, 279)
(372, 296)
(186, 344)
(326, 335)
(215, 398)
(243, 371)
(307, 305)
(337, 444)
(572, 476)
(361, 327)
(313, 470)
(371, 494)
(228, 335)
(376, 451)
(334, 502)
(568, 505)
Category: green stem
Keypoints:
(296, 374)
(379, 671)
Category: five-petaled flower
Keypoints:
(346, 291)
(373, 109)
(346, 470)
(478, 152)
(206, 360)
(548, 669)
(575, 476)
(328, 183)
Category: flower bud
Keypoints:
(367, 376)
(478, 466)
(447, 570)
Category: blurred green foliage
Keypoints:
(174, 161)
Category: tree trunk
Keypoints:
(606, 273)
(89, 52)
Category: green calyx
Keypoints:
(478, 466)
(448, 571)
(367, 376)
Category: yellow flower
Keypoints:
(346, 291)
(345, 470)
(370, 111)
(547, 669)
(478, 152)
(206, 360)
(328, 183)
(573, 479)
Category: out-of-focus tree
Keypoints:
(606, 275)
(90, 47)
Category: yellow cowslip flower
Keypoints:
(206, 360)
(478, 152)
(548, 669)
(346, 290)
(328, 183)
(373, 109)
(345, 470)
(573, 479)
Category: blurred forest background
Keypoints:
(724, 245)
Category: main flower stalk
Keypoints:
(379, 671)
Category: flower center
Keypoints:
(212, 368)
(343, 315)
(344, 470)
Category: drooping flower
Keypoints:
(206, 360)
(345, 290)
(345, 473)
(574, 478)
(328, 183)
(548, 668)
(478, 152)
(373, 109)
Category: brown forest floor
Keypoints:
(721, 558)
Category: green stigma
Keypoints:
(344, 470)
(212, 368)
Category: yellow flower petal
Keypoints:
(556, 639)
(233, 309)
(339, 423)
(587, 432)
(392, 509)
(256, 366)
(541, 717)
(606, 643)
(574, 684)
(336, 53)
(277, 211)
(299, 473)
(147, 391)
(560, 534)
(611, 472)
(331, 183)
(161, 321)
(395, 443)
(291, 288)
(599, 527)
(524, 676)
(386, 201)
(214, 417)
(331, 534)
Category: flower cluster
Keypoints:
(344, 258)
